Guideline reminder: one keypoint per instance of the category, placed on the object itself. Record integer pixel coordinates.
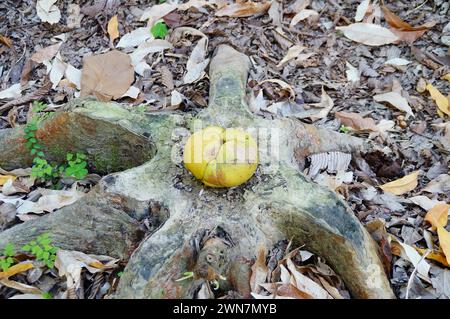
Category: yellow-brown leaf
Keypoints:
(436, 256)
(439, 98)
(444, 241)
(438, 215)
(402, 185)
(113, 28)
(5, 178)
(446, 77)
(13, 270)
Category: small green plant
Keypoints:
(42, 249)
(344, 129)
(47, 295)
(76, 166)
(41, 167)
(159, 30)
(7, 260)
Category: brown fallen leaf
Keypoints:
(113, 28)
(404, 30)
(107, 76)
(356, 121)
(46, 53)
(402, 185)
(259, 270)
(6, 41)
(438, 215)
(243, 9)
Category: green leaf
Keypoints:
(9, 250)
(26, 248)
(159, 30)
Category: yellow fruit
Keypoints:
(221, 157)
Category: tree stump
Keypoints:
(213, 233)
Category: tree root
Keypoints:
(212, 233)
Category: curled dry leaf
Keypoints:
(197, 63)
(325, 105)
(107, 76)
(368, 34)
(243, 9)
(145, 48)
(283, 85)
(441, 101)
(47, 11)
(395, 99)
(113, 28)
(5, 178)
(156, 12)
(402, 185)
(356, 121)
(404, 30)
(361, 10)
(410, 254)
(436, 256)
(302, 15)
(425, 202)
(259, 270)
(16, 269)
(292, 53)
(438, 215)
(134, 38)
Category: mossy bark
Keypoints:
(214, 232)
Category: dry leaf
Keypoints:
(425, 202)
(402, 185)
(113, 28)
(6, 41)
(134, 38)
(197, 63)
(440, 185)
(13, 92)
(409, 253)
(404, 30)
(57, 70)
(15, 269)
(259, 270)
(440, 100)
(446, 77)
(283, 85)
(5, 178)
(326, 104)
(27, 289)
(47, 11)
(46, 54)
(438, 215)
(395, 99)
(145, 48)
(156, 12)
(292, 53)
(107, 76)
(397, 62)
(444, 241)
(243, 9)
(356, 121)
(436, 256)
(74, 16)
(302, 15)
(361, 10)
(369, 34)
(352, 73)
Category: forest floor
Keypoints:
(385, 67)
